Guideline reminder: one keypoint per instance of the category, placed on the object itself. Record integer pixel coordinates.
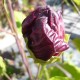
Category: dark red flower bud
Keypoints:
(44, 29)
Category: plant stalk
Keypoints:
(13, 28)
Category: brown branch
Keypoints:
(9, 21)
(2, 30)
(13, 28)
(62, 6)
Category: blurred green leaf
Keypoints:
(25, 2)
(2, 66)
(59, 78)
(72, 69)
(76, 42)
(19, 17)
(77, 2)
(71, 3)
(66, 1)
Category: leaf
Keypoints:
(2, 66)
(70, 4)
(66, 1)
(76, 42)
(59, 78)
(19, 17)
(77, 2)
(25, 2)
(69, 67)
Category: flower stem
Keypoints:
(13, 27)
(6, 75)
(39, 69)
(46, 73)
(42, 71)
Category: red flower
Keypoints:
(44, 29)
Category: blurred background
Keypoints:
(11, 64)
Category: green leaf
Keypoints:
(25, 2)
(2, 66)
(19, 17)
(76, 42)
(69, 67)
(77, 2)
(59, 78)
(67, 2)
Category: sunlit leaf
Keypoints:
(2, 66)
(19, 17)
(77, 2)
(69, 67)
(59, 78)
(72, 3)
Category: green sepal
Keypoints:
(66, 38)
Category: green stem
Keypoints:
(39, 69)
(7, 76)
(41, 72)
(46, 73)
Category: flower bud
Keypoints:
(45, 32)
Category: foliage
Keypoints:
(2, 66)
(76, 42)
(59, 78)
(77, 2)
(73, 3)
(19, 17)
(72, 69)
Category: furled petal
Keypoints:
(44, 29)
